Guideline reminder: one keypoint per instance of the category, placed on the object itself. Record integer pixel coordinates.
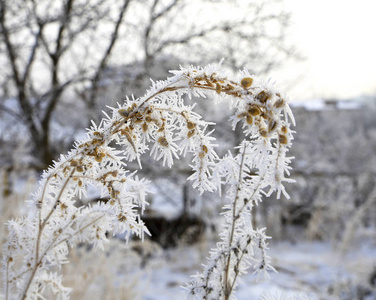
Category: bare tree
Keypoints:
(51, 51)
(251, 33)
(40, 41)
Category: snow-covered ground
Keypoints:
(305, 269)
(311, 269)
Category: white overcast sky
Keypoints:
(338, 39)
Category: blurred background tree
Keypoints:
(62, 61)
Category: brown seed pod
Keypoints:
(80, 169)
(145, 127)
(284, 129)
(279, 103)
(204, 148)
(201, 154)
(96, 141)
(254, 111)
(283, 139)
(148, 119)
(249, 120)
(218, 88)
(190, 133)
(263, 132)
(263, 96)
(272, 125)
(114, 193)
(163, 141)
(123, 112)
(122, 218)
(190, 125)
(242, 115)
(99, 156)
(246, 82)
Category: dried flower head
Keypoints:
(263, 96)
(163, 141)
(246, 82)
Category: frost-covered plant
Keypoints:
(163, 123)
(259, 168)
(278, 296)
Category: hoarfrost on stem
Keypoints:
(161, 123)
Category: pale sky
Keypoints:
(338, 38)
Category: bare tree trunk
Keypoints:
(97, 76)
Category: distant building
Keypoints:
(328, 104)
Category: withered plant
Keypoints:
(163, 124)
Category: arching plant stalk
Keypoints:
(164, 125)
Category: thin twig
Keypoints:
(228, 289)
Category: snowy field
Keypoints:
(305, 269)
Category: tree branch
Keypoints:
(102, 64)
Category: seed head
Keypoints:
(254, 111)
(114, 193)
(190, 125)
(123, 112)
(218, 88)
(263, 132)
(263, 96)
(246, 82)
(272, 125)
(190, 133)
(283, 139)
(163, 141)
(145, 127)
(242, 115)
(279, 103)
(99, 156)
